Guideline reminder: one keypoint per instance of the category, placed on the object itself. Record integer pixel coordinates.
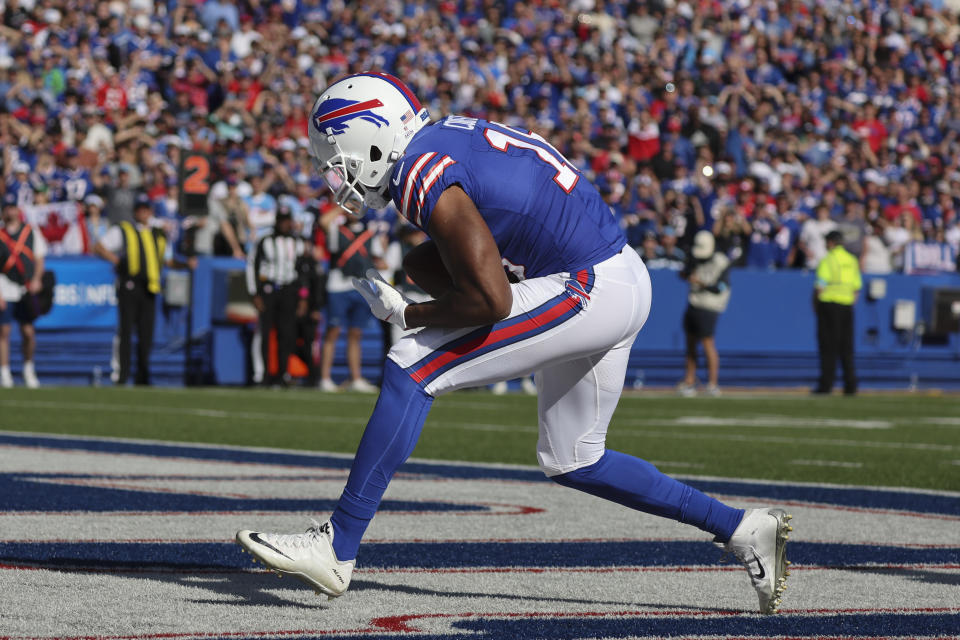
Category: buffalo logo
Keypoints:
(334, 114)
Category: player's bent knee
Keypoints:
(553, 469)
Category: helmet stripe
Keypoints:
(400, 86)
(362, 106)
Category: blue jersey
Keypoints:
(544, 215)
(74, 184)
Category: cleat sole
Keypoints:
(780, 562)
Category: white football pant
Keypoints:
(574, 330)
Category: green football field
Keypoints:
(895, 440)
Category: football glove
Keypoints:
(385, 302)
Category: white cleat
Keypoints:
(499, 388)
(30, 376)
(328, 386)
(528, 386)
(6, 379)
(686, 390)
(308, 556)
(362, 386)
(760, 544)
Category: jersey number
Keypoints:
(197, 169)
(566, 175)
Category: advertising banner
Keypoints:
(85, 295)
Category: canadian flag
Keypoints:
(62, 225)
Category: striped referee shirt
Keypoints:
(274, 262)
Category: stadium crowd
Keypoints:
(769, 123)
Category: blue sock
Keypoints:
(388, 440)
(637, 484)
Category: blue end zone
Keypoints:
(724, 626)
(460, 555)
(42, 492)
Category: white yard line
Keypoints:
(780, 421)
(182, 411)
(685, 465)
(828, 463)
(919, 446)
(944, 421)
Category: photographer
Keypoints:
(708, 273)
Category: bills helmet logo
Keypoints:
(335, 114)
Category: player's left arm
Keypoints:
(479, 292)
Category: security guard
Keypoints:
(275, 281)
(138, 250)
(837, 285)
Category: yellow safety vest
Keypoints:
(154, 246)
(838, 277)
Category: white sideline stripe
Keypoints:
(183, 411)
(828, 463)
(335, 419)
(920, 446)
(945, 421)
(686, 465)
(780, 421)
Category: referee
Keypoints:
(279, 294)
(139, 251)
(837, 285)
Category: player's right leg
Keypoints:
(324, 556)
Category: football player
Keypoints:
(528, 271)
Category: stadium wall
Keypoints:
(766, 338)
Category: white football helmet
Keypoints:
(359, 127)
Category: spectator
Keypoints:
(97, 224)
(121, 197)
(217, 233)
(732, 233)
(650, 249)
(763, 250)
(261, 209)
(876, 258)
(854, 228)
(759, 95)
(668, 255)
(897, 234)
(227, 204)
(930, 256)
(812, 235)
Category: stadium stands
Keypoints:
(679, 111)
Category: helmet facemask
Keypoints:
(342, 173)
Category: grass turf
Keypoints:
(887, 440)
